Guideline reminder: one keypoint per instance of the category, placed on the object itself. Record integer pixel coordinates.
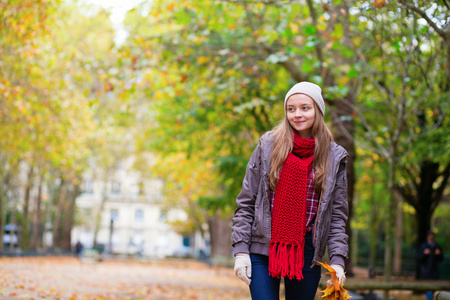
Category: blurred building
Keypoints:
(127, 211)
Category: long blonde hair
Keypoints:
(283, 144)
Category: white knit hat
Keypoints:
(310, 89)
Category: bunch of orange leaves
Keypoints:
(335, 291)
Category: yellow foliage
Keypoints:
(264, 82)
(322, 26)
(408, 209)
(171, 6)
(159, 94)
(343, 80)
(294, 28)
(379, 139)
(202, 59)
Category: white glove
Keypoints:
(243, 267)
(339, 274)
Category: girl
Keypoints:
(293, 203)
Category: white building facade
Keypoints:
(127, 212)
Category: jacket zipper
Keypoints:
(318, 210)
(315, 223)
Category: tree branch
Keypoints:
(425, 16)
(312, 12)
(408, 197)
(446, 4)
(380, 150)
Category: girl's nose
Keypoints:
(298, 113)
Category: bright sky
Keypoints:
(118, 10)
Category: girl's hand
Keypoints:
(243, 267)
(339, 273)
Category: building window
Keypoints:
(88, 188)
(163, 216)
(87, 212)
(115, 189)
(139, 215)
(114, 214)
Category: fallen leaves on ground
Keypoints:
(66, 278)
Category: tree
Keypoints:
(22, 26)
(403, 94)
(50, 99)
(425, 182)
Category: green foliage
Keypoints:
(213, 79)
(442, 225)
(198, 82)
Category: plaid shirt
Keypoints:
(312, 202)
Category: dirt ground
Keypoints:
(68, 278)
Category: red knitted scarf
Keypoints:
(286, 251)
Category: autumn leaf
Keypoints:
(334, 291)
(379, 3)
(334, 278)
(328, 291)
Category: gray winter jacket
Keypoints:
(252, 218)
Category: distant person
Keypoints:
(293, 203)
(78, 248)
(430, 253)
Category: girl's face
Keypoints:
(301, 114)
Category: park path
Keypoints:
(67, 278)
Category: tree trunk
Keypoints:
(373, 247)
(389, 223)
(2, 217)
(423, 220)
(354, 246)
(426, 197)
(68, 220)
(373, 234)
(13, 222)
(447, 43)
(398, 238)
(98, 216)
(25, 239)
(220, 232)
(429, 173)
(58, 216)
(47, 220)
(36, 237)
